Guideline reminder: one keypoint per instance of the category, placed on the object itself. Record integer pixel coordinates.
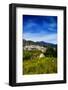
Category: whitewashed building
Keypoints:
(34, 47)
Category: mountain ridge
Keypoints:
(40, 43)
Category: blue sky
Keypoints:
(40, 28)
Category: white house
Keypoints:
(34, 47)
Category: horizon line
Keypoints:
(41, 41)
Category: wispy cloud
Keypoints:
(51, 38)
(40, 28)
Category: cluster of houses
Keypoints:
(34, 47)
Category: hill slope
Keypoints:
(40, 43)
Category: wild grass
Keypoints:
(45, 65)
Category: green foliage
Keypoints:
(26, 55)
(46, 65)
(33, 64)
(30, 54)
(51, 52)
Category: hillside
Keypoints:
(39, 58)
(40, 43)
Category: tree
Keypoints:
(51, 52)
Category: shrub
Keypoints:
(51, 52)
(26, 55)
(30, 54)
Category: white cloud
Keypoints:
(50, 38)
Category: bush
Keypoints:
(30, 54)
(51, 52)
(26, 55)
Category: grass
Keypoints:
(46, 65)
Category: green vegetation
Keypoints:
(28, 55)
(40, 66)
(33, 64)
(51, 52)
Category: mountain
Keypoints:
(45, 44)
(40, 43)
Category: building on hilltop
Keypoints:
(34, 47)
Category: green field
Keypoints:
(32, 64)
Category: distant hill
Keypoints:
(40, 43)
